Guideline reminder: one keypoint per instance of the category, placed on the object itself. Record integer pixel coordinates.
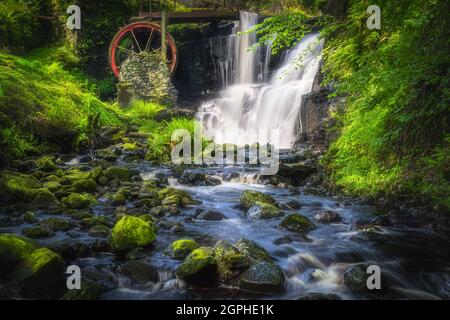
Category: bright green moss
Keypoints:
(175, 196)
(200, 260)
(13, 249)
(17, 186)
(79, 201)
(250, 198)
(297, 223)
(180, 249)
(131, 232)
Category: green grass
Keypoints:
(44, 107)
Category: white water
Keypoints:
(247, 111)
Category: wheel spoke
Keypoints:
(149, 40)
(135, 39)
(126, 50)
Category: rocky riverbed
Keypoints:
(140, 231)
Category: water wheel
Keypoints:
(136, 38)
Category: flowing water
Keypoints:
(250, 111)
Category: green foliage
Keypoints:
(142, 111)
(45, 108)
(19, 26)
(393, 128)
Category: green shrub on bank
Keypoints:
(45, 108)
(393, 131)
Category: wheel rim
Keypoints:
(140, 37)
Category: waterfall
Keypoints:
(252, 101)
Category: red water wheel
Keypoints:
(136, 38)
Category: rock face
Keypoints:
(263, 277)
(132, 232)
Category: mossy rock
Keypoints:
(181, 197)
(120, 197)
(71, 176)
(180, 249)
(55, 224)
(263, 277)
(40, 274)
(45, 199)
(264, 211)
(131, 232)
(46, 164)
(13, 249)
(79, 201)
(118, 173)
(199, 267)
(95, 220)
(297, 223)
(90, 290)
(16, 186)
(140, 271)
(250, 198)
(130, 146)
(37, 232)
(254, 251)
(230, 262)
(30, 217)
(85, 185)
(52, 186)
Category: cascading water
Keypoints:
(247, 108)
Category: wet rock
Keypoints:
(199, 268)
(263, 277)
(100, 231)
(95, 220)
(230, 262)
(355, 278)
(26, 166)
(180, 249)
(30, 217)
(79, 201)
(198, 178)
(139, 271)
(85, 185)
(37, 232)
(40, 274)
(250, 198)
(13, 249)
(44, 199)
(52, 186)
(174, 196)
(90, 290)
(55, 224)
(16, 186)
(178, 228)
(131, 232)
(211, 215)
(106, 154)
(283, 240)
(119, 173)
(253, 250)
(264, 211)
(297, 223)
(160, 211)
(328, 216)
(46, 164)
(290, 205)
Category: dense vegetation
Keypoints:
(393, 136)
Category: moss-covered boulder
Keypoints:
(16, 186)
(250, 198)
(36, 232)
(180, 249)
(172, 196)
(13, 249)
(79, 201)
(131, 232)
(40, 274)
(120, 197)
(199, 268)
(30, 217)
(297, 223)
(46, 164)
(55, 224)
(264, 211)
(254, 251)
(52, 186)
(45, 199)
(90, 290)
(264, 277)
(85, 185)
(94, 220)
(140, 271)
(230, 261)
(118, 173)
